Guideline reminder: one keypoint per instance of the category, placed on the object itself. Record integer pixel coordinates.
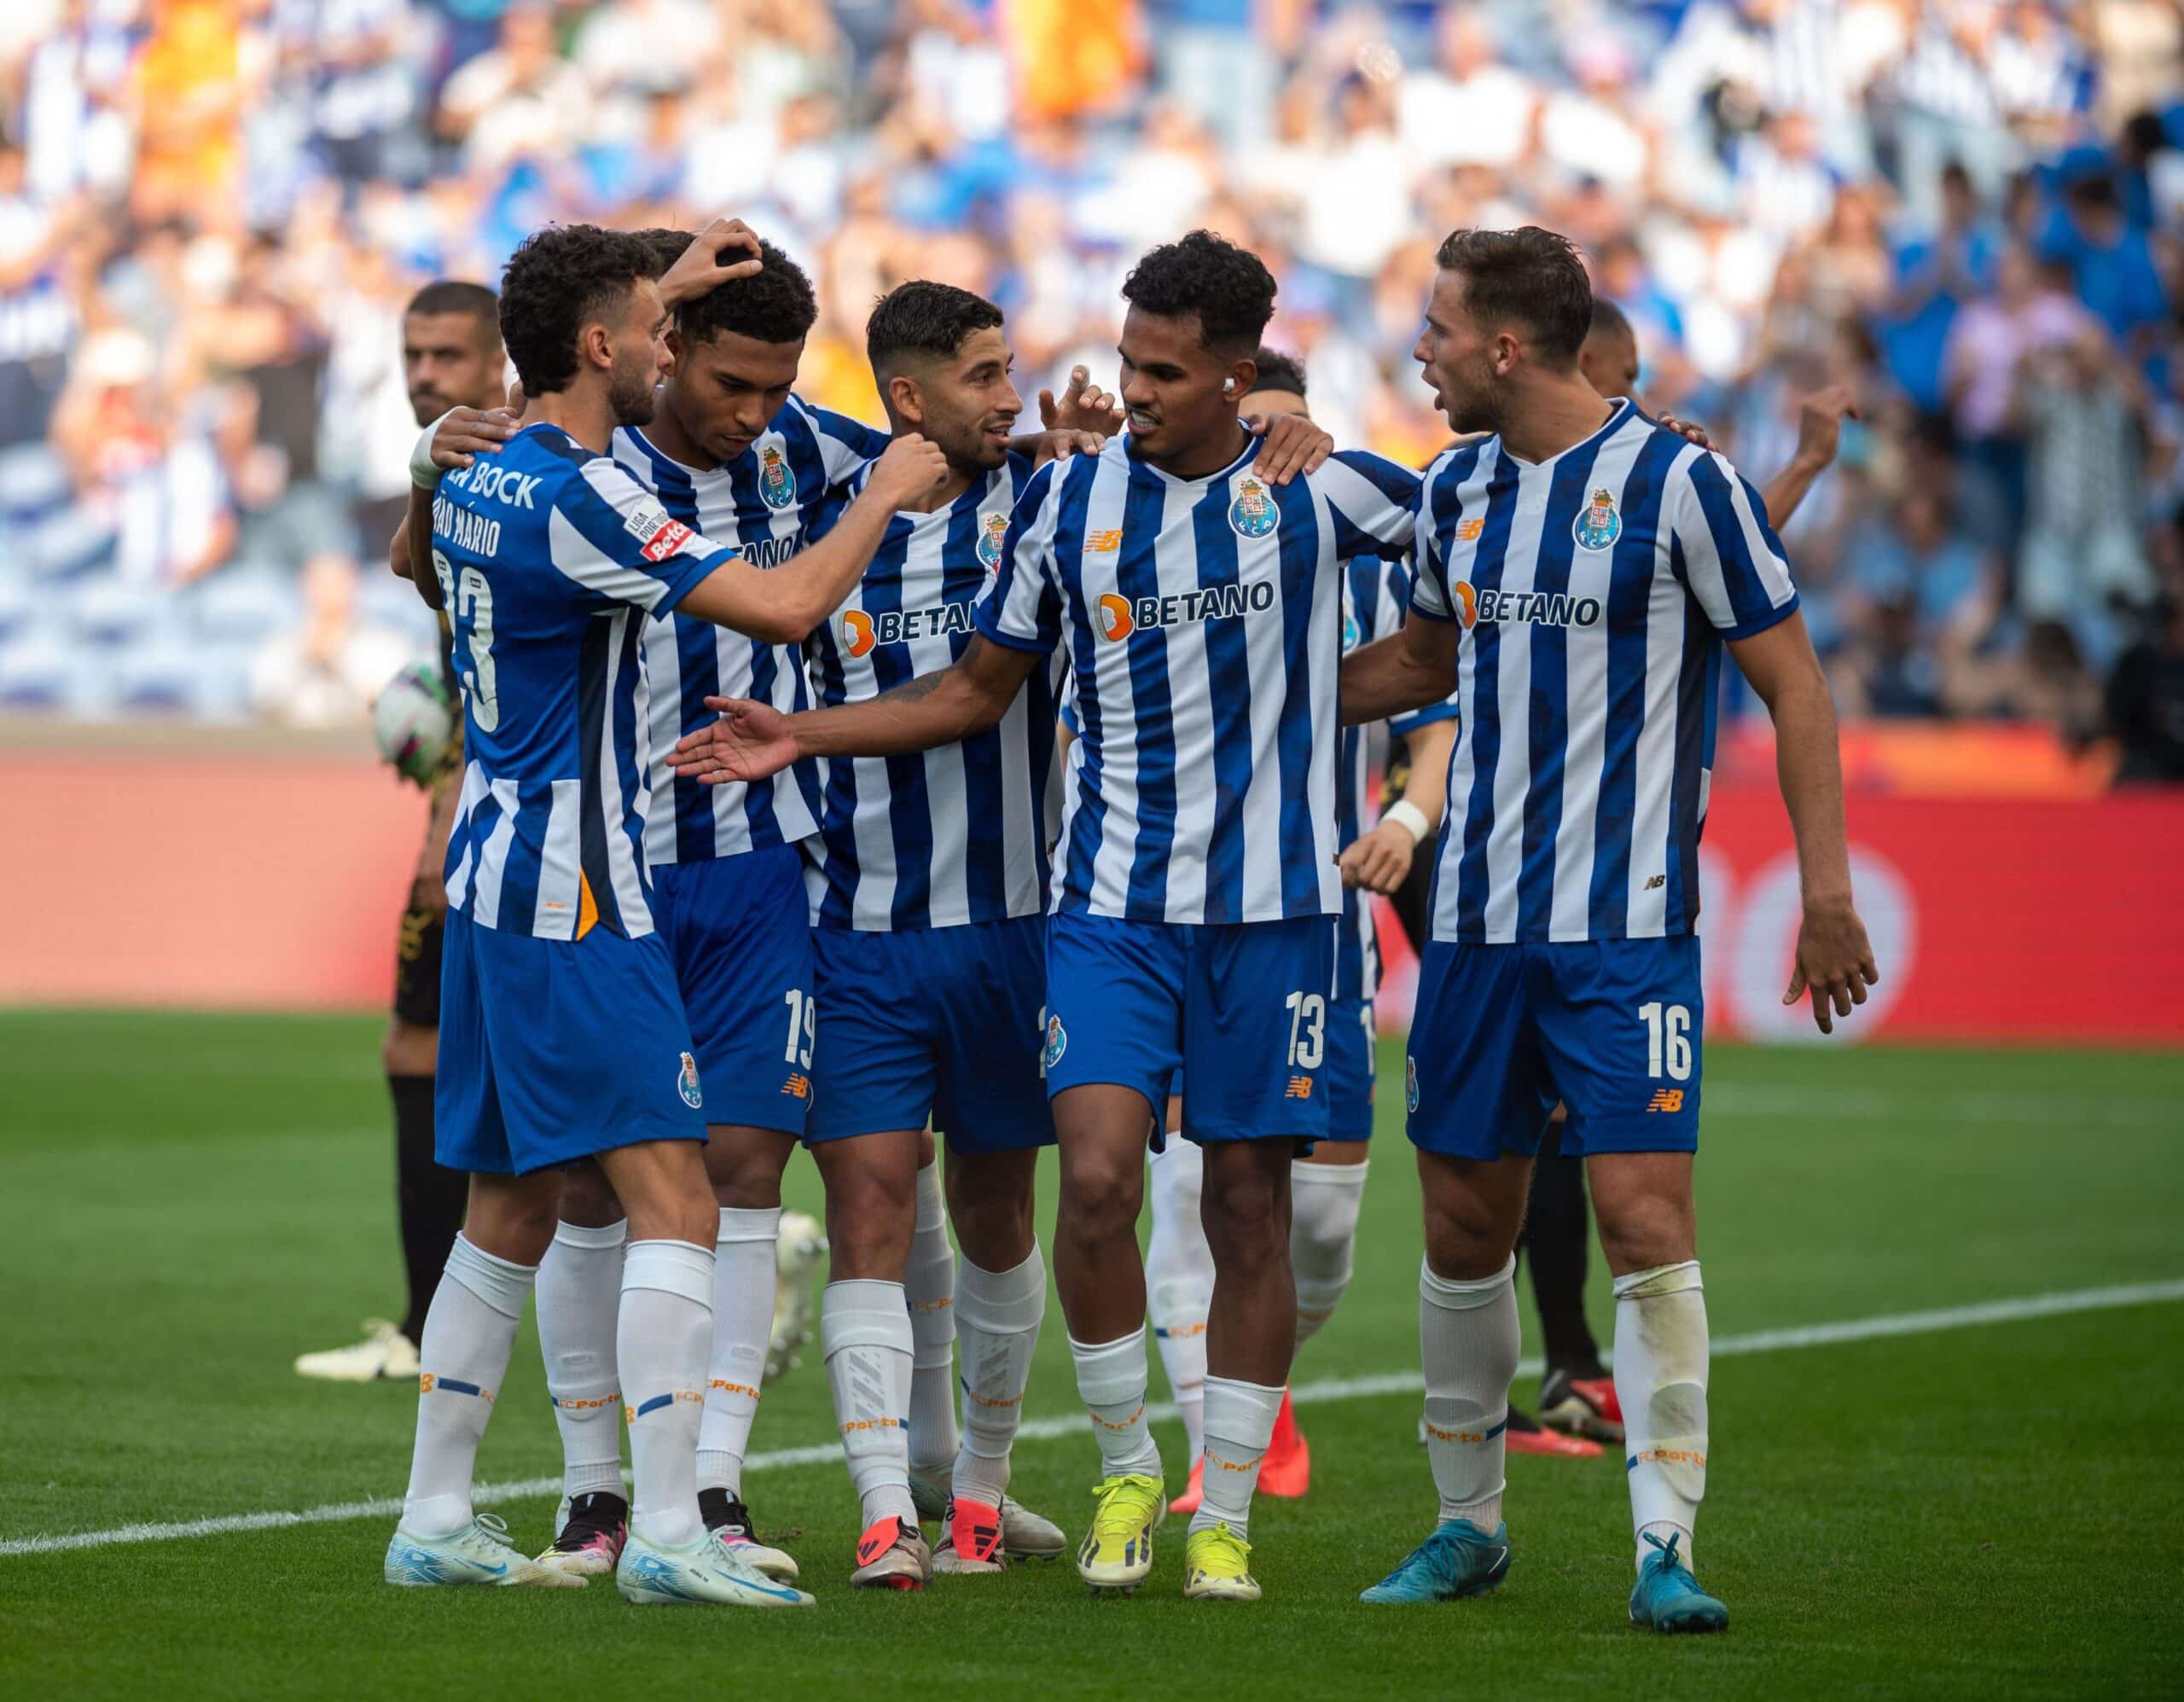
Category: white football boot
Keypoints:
(384, 1352)
(480, 1553)
(709, 1571)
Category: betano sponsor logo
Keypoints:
(862, 629)
(1540, 608)
(1121, 616)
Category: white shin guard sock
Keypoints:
(469, 1333)
(929, 1287)
(1179, 1281)
(1324, 1203)
(579, 1297)
(743, 1323)
(1239, 1424)
(662, 1338)
(1468, 1342)
(864, 1334)
(1660, 1381)
(1112, 1377)
(997, 1317)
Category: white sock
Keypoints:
(1239, 1424)
(997, 1315)
(661, 1338)
(1660, 1381)
(1110, 1377)
(864, 1333)
(929, 1287)
(743, 1324)
(1179, 1283)
(1324, 1203)
(1467, 1343)
(469, 1333)
(579, 1295)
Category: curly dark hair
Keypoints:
(559, 280)
(1227, 287)
(1533, 277)
(775, 304)
(666, 246)
(1279, 371)
(927, 318)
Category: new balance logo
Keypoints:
(1653, 882)
(1300, 1086)
(1469, 530)
(1103, 542)
(1666, 1099)
(798, 1087)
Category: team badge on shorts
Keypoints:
(1057, 1043)
(1597, 526)
(776, 478)
(1252, 514)
(990, 540)
(686, 1083)
(1410, 1081)
(1351, 632)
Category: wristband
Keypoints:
(1412, 818)
(424, 473)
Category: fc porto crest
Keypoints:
(1252, 514)
(1410, 1081)
(1057, 1043)
(776, 478)
(990, 540)
(1597, 526)
(686, 1083)
(1352, 633)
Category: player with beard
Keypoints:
(1195, 888)
(451, 357)
(928, 881)
(558, 992)
(1581, 570)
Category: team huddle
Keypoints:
(830, 785)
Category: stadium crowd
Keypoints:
(212, 213)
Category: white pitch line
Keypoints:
(1058, 1426)
(1740, 1099)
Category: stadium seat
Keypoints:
(244, 604)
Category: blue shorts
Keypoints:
(739, 929)
(552, 1049)
(934, 1022)
(1610, 1027)
(1353, 1069)
(1242, 1007)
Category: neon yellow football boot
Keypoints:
(1117, 1553)
(1214, 1567)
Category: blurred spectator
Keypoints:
(2146, 701)
(212, 212)
(326, 672)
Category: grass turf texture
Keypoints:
(187, 1203)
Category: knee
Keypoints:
(869, 1223)
(996, 1234)
(588, 1198)
(410, 1049)
(1245, 1214)
(1466, 1241)
(1100, 1195)
(745, 1168)
(1643, 1233)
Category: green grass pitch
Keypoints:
(186, 1203)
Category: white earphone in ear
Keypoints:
(1227, 387)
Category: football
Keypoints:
(413, 719)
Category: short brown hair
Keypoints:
(1531, 275)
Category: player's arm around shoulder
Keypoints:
(1373, 501)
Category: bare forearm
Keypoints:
(1428, 787)
(418, 525)
(932, 709)
(1387, 678)
(1809, 767)
(1788, 488)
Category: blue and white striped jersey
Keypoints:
(551, 558)
(1594, 591)
(1375, 596)
(1202, 619)
(758, 506)
(954, 835)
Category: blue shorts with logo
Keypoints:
(1610, 1027)
(739, 930)
(1240, 1007)
(934, 1022)
(553, 1050)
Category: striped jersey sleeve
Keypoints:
(1022, 608)
(612, 537)
(1437, 499)
(1373, 502)
(1727, 553)
(844, 444)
